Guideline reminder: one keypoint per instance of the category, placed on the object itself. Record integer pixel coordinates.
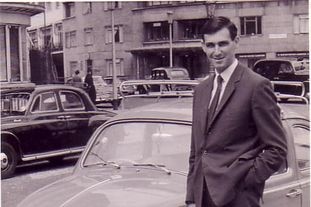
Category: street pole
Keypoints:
(114, 72)
(170, 22)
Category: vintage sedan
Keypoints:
(43, 122)
(140, 158)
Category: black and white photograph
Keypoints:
(155, 103)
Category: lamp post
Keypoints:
(114, 72)
(170, 22)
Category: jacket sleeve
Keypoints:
(266, 114)
(191, 176)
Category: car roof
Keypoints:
(32, 87)
(278, 60)
(177, 110)
(181, 110)
(169, 68)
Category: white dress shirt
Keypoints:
(226, 74)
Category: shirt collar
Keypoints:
(226, 74)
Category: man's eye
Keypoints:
(210, 45)
(222, 44)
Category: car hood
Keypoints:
(125, 187)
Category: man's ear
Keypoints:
(203, 46)
(237, 40)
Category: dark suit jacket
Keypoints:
(243, 143)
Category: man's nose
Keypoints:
(217, 50)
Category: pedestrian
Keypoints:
(90, 87)
(76, 79)
(237, 140)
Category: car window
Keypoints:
(71, 100)
(140, 142)
(14, 103)
(301, 135)
(45, 102)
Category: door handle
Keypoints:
(294, 193)
(61, 117)
(67, 116)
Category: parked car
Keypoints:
(288, 76)
(140, 158)
(119, 79)
(170, 73)
(104, 93)
(44, 122)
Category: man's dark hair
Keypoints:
(216, 23)
(77, 72)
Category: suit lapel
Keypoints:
(229, 90)
(205, 99)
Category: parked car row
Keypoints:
(44, 122)
(140, 158)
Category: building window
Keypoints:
(58, 42)
(190, 28)
(73, 65)
(15, 53)
(88, 36)
(301, 24)
(118, 34)
(119, 67)
(112, 5)
(157, 3)
(156, 31)
(87, 7)
(57, 4)
(190, 1)
(3, 54)
(250, 25)
(71, 39)
(10, 53)
(46, 37)
(48, 6)
(33, 36)
(69, 9)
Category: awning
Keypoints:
(164, 47)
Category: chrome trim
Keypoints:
(52, 154)
(301, 96)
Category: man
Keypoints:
(77, 80)
(90, 87)
(237, 137)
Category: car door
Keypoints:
(46, 128)
(301, 132)
(77, 117)
(283, 188)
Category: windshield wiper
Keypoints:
(104, 162)
(161, 167)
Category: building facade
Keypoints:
(46, 42)
(14, 58)
(267, 29)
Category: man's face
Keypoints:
(220, 49)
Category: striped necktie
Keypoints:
(216, 97)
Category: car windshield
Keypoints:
(13, 104)
(142, 144)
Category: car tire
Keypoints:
(10, 154)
